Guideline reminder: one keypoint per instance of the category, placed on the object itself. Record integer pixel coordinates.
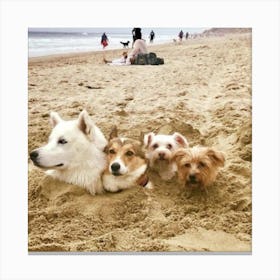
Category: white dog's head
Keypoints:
(160, 147)
(68, 143)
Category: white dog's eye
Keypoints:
(188, 165)
(169, 146)
(155, 146)
(62, 141)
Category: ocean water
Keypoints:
(48, 41)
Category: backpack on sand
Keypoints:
(148, 59)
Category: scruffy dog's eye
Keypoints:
(201, 164)
(155, 146)
(62, 141)
(169, 146)
(188, 165)
(129, 153)
(112, 151)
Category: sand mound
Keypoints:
(202, 91)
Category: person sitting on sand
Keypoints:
(117, 61)
(139, 47)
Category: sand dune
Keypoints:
(202, 91)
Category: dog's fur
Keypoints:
(159, 150)
(198, 166)
(126, 164)
(125, 44)
(74, 153)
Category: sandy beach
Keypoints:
(204, 92)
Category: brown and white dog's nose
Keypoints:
(34, 155)
(115, 167)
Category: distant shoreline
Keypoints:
(108, 52)
(116, 52)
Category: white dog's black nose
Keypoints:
(115, 167)
(34, 155)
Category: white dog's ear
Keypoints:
(181, 140)
(85, 124)
(148, 138)
(54, 119)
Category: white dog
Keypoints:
(159, 150)
(74, 153)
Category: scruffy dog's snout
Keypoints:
(192, 178)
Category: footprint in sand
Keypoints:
(232, 86)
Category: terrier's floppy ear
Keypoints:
(54, 119)
(181, 140)
(216, 157)
(113, 133)
(178, 154)
(148, 138)
(85, 124)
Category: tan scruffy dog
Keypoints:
(198, 166)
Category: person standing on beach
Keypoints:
(152, 36)
(180, 35)
(104, 40)
(187, 35)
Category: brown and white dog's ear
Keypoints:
(181, 140)
(148, 138)
(85, 124)
(113, 133)
(106, 149)
(54, 119)
(179, 154)
(216, 157)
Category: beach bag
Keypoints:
(141, 59)
(148, 59)
(152, 58)
(160, 61)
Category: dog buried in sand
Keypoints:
(198, 166)
(159, 149)
(126, 164)
(74, 152)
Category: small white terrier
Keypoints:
(74, 153)
(159, 150)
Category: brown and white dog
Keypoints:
(198, 166)
(126, 164)
(159, 151)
